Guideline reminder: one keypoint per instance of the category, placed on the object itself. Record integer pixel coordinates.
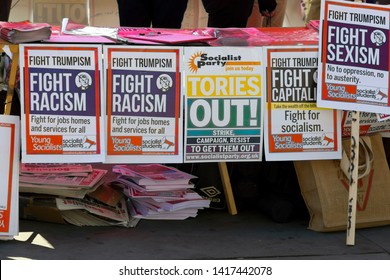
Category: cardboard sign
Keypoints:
(144, 117)
(61, 103)
(224, 104)
(369, 123)
(9, 174)
(53, 11)
(295, 128)
(354, 64)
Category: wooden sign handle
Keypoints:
(353, 177)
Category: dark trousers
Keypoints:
(152, 13)
(5, 9)
(231, 13)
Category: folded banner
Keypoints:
(324, 187)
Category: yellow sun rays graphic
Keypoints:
(191, 62)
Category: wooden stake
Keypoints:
(353, 177)
(227, 188)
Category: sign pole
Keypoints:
(227, 188)
(353, 175)
(353, 178)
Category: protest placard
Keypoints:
(354, 52)
(9, 171)
(354, 72)
(144, 117)
(295, 128)
(224, 104)
(61, 103)
(369, 123)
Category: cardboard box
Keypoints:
(39, 208)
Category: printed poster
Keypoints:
(9, 174)
(354, 66)
(53, 11)
(383, 117)
(144, 115)
(369, 123)
(224, 104)
(295, 128)
(61, 103)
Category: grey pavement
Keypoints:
(213, 234)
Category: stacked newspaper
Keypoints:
(157, 192)
(67, 180)
(89, 213)
(77, 193)
(24, 31)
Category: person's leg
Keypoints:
(168, 13)
(315, 11)
(224, 14)
(134, 13)
(257, 20)
(5, 10)
(278, 19)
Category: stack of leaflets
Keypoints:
(67, 180)
(88, 213)
(158, 192)
(71, 193)
(24, 31)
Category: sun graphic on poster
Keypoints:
(192, 64)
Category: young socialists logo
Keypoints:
(202, 59)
